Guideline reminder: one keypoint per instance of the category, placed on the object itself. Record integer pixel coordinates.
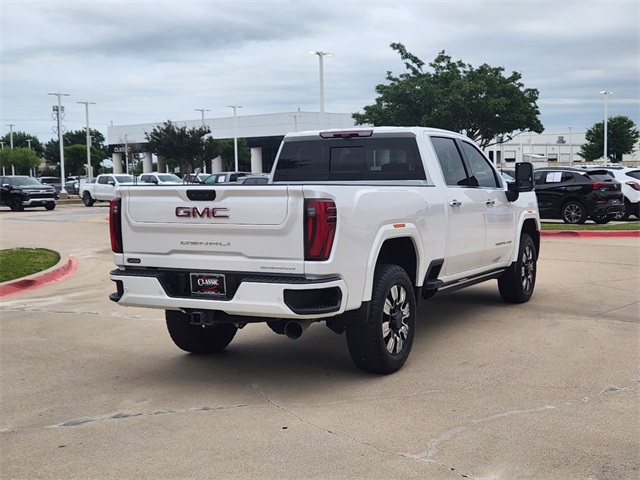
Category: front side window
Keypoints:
(451, 163)
(484, 174)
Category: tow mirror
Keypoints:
(523, 182)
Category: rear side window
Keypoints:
(350, 159)
(634, 174)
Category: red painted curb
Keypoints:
(39, 280)
(590, 233)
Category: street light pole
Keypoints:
(321, 55)
(62, 176)
(235, 134)
(204, 162)
(11, 125)
(89, 169)
(606, 98)
(202, 110)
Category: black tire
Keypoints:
(198, 339)
(602, 219)
(50, 205)
(16, 204)
(573, 212)
(518, 282)
(87, 200)
(626, 213)
(382, 345)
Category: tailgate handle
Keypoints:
(203, 195)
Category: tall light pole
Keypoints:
(235, 134)
(606, 98)
(321, 55)
(89, 169)
(62, 176)
(202, 110)
(11, 125)
(204, 162)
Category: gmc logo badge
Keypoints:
(206, 212)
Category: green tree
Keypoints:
(481, 102)
(22, 159)
(622, 136)
(178, 146)
(23, 140)
(98, 149)
(224, 148)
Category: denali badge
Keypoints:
(206, 212)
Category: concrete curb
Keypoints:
(65, 267)
(590, 233)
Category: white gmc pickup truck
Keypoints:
(353, 228)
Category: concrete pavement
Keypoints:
(544, 390)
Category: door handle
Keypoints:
(490, 203)
(455, 203)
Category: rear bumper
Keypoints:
(253, 296)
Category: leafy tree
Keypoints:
(23, 140)
(481, 101)
(622, 136)
(224, 148)
(177, 146)
(22, 159)
(98, 149)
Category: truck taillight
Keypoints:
(319, 228)
(115, 225)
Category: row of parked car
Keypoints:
(577, 194)
(574, 194)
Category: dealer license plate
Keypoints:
(208, 284)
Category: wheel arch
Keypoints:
(395, 246)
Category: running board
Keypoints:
(468, 281)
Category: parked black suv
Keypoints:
(574, 195)
(20, 191)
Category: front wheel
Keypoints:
(87, 200)
(50, 205)
(517, 283)
(16, 204)
(383, 343)
(197, 338)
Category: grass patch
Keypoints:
(592, 226)
(20, 262)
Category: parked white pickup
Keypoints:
(353, 227)
(103, 187)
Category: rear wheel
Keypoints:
(87, 200)
(382, 345)
(624, 215)
(517, 283)
(196, 338)
(573, 212)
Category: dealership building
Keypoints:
(263, 134)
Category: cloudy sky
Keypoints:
(150, 61)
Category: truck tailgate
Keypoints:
(230, 227)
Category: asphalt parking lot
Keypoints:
(544, 390)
